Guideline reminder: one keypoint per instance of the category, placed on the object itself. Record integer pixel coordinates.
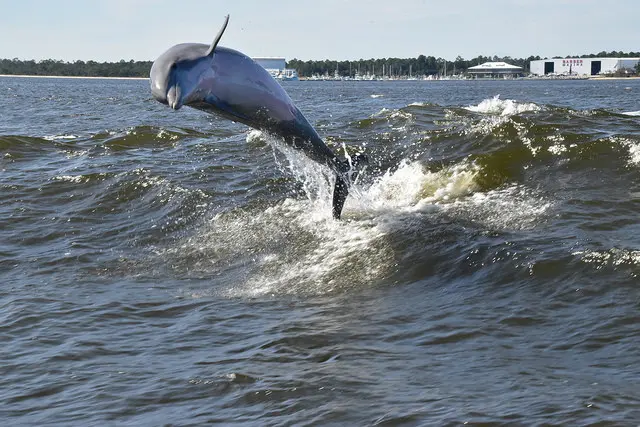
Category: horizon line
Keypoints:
(346, 60)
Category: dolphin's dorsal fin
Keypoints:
(218, 37)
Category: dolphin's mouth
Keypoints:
(174, 97)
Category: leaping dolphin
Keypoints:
(223, 81)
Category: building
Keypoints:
(492, 70)
(277, 67)
(271, 63)
(582, 66)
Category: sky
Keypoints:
(111, 30)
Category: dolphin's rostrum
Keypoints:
(228, 83)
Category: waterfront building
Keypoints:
(277, 67)
(582, 66)
(490, 70)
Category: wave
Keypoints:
(24, 146)
(145, 136)
(617, 259)
(9, 142)
(295, 247)
(507, 107)
(440, 177)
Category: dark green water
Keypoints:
(164, 267)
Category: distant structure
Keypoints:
(582, 66)
(277, 67)
(495, 70)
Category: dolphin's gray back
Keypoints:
(243, 91)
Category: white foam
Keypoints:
(76, 179)
(496, 112)
(632, 113)
(163, 134)
(615, 257)
(411, 187)
(557, 146)
(255, 135)
(511, 208)
(59, 137)
(382, 112)
(634, 149)
(634, 153)
(393, 114)
(502, 107)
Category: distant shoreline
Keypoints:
(72, 77)
(614, 78)
(302, 79)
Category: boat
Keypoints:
(287, 75)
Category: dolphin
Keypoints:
(225, 82)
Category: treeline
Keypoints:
(50, 67)
(420, 66)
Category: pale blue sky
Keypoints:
(110, 30)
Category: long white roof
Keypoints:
(495, 66)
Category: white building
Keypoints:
(495, 70)
(271, 62)
(276, 66)
(582, 66)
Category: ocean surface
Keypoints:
(165, 267)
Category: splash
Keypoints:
(512, 208)
(497, 112)
(295, 246)
(634, 153)
(255, 135)
(634, 149)
(391, 114)
(500, 107)
(412, 187)
(317, 180)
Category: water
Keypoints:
(164, 267)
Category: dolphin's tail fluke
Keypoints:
(348, 172)
(340, 192)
